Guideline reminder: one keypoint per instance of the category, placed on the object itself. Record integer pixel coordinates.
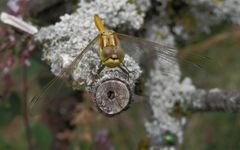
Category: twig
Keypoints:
(219, 100)
(234, 32)
(25, 109)
(18, 23)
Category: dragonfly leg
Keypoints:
(100, 69)
(125, 70)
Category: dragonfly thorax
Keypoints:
(108, 38)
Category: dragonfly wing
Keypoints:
(53, 87)
(146, 53)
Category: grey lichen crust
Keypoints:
(164, 91)
(215, 11)
(66, 39)
(222, 9)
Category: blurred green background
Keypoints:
(217, 130)
(89, 129)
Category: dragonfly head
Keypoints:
(112, 56)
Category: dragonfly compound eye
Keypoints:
(120, 53)
(107, 52)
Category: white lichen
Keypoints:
(223, 9)
(203, 13)
(165, 89)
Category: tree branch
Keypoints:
(220, 100)
(113, 96)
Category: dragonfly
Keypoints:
(112, 49)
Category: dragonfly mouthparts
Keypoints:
(114, 56)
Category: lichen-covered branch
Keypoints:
(217, 100)
(66, 39)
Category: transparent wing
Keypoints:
(53, 87)
(146, 52)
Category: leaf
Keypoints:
(9, 108)
(42, 136)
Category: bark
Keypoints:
(221, 100)
(112, 96)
